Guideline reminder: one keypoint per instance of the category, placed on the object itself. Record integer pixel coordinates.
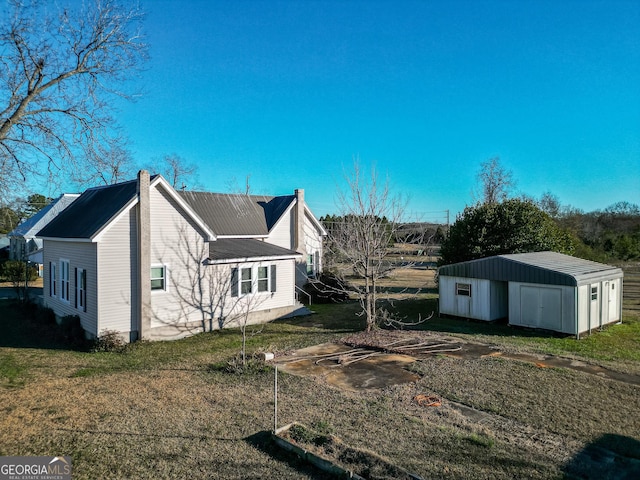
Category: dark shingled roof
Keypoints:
(550, 268)
(240, 248)
(225, 214)
(237, 214)
(90, 211)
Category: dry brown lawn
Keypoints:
(167, 410)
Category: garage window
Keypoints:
(594, 293)
(463, 289)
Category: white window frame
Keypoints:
(164, 278)
(245, 285)
(255, 285)
(263, 280)
(463, 289)
(311, 268)
(65, 280)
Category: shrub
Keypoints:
(44, 316)
(252, 365)
(72, 330)
(109, 341)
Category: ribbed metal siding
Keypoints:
(548, 268)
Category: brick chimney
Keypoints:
(144, 255)
(298, 242)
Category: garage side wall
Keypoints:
(454, 299)
(599, 303)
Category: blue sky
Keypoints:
(289, 92)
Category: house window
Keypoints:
(463, 289)
(245, 281)
(242, 280)
(52, 279)
(81, 289)
(594, 293)
(310, 267)
(159, 277)
(263, 279)
(64, 280)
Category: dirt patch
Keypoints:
(323, 361)
(380, 359)
(400, 342)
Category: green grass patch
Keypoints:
(12, 374)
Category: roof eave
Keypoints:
(268, 258)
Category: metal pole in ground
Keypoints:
(275, 401)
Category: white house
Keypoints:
(147, 261)
(546, 290)
(23, 242)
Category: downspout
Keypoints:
(144, 255)
(620, 298)
(577, 312)
(589, 307)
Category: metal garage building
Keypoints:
(542, 290)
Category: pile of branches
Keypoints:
(397, 342)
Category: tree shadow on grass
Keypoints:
(610, 457)
(262, 441)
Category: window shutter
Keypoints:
(234, 282)
(84, 290)
(75, 275)
(273, 278)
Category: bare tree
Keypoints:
(60, 70)
(109, 162)
(234, 187)
(212, 291)
(178, 172)
(360, 243)
(496, 183)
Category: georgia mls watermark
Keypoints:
(35, 468)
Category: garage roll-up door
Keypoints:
(541, 307)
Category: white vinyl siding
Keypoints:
(81, 255)
(117, 268)
(283, 233)
(178, 244)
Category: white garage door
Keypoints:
(541, 307)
